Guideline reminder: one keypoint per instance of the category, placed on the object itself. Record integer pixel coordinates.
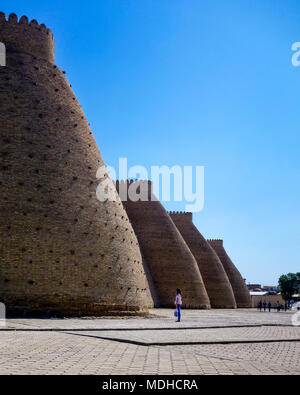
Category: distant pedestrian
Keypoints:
(260, 305)
(178, 302)
(265, 305)
(269, 306)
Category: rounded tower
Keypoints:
(170, 262)
(240, 290)
(214, 276)
(61, 248)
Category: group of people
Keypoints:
(262, 305)
(277, 306)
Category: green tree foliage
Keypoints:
(289, 285)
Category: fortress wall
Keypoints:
(170, 261)
(241, 293)
(61, 248)
(273, 299)
(215, 279)
(26, 37)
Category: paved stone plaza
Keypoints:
(205, 342)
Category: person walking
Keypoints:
(178, 302)
(260, 305)
(269, 306)
(265, 305)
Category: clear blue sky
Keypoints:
(193, 82)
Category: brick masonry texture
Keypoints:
(169, 259)
(214, 276)
(240, 290)
(61, 248)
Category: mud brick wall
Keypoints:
(169, 259)
(60, 246)
(214, 276)
(240, 290)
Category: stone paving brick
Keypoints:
(164, 319)
(149, 337)
(52, 352)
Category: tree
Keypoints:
(289, 285)
(298, 277)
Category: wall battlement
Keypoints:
(182, 217)
(180, 213)
(22, 36)
(215, 242)
(135, 190)
(129, 182)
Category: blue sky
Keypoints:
(192, 82)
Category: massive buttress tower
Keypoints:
(61, 248)
(240, 290)
(214, 276)
(167, 256)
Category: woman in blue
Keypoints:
(178, 302)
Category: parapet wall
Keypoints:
(182, 216)
(26, 37)
(214, 276)
(169, 259)
(241, 292)
(215, 242)
(135, 190)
